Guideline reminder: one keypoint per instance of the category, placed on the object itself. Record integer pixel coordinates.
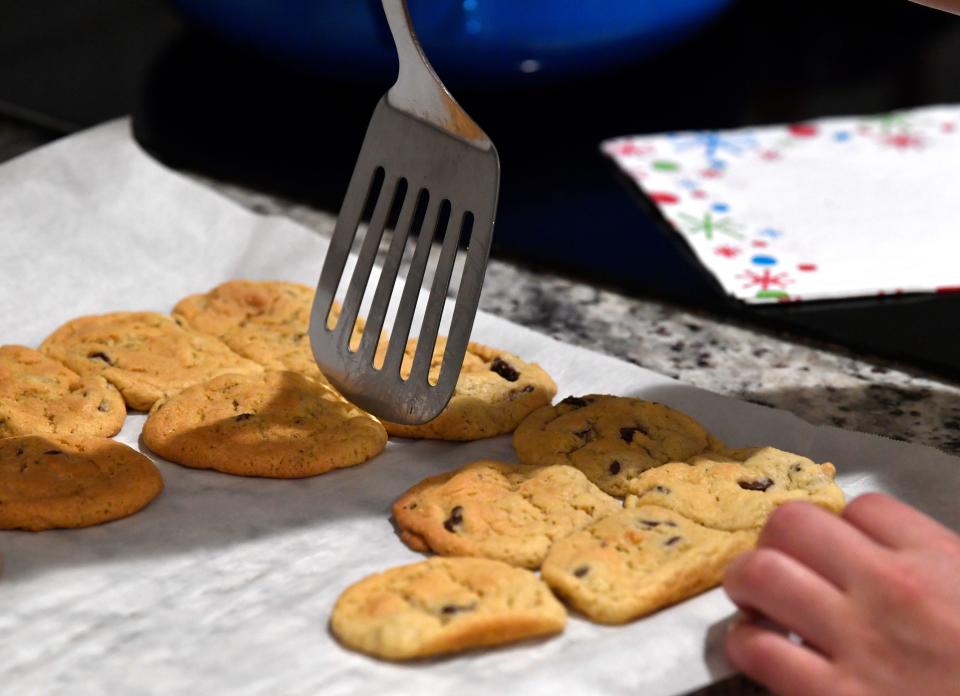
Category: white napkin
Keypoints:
(225, 584)
(841, 207)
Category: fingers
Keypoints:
(820, 540)
(784, 590)
(892, 523)
(779, 664)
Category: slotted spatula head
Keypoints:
(421, 146)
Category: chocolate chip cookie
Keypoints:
(639, 560)
(444, 605)
(71, 481)
(738, 489)
(495, 391)
(39, 396)
(265, 321)
(507, 512)
(279, 425)
(145, 355)
(239, 302)
(611, 439)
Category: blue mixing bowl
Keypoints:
(470, 40)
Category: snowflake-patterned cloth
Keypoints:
(840, 207)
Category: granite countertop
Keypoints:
(820, 383)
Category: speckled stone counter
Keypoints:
(822, 384)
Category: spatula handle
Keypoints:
(418, 90)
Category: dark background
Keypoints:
(205, 105)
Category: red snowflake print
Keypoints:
(806, 267)
(948, 127)
(759, 243)
(765, 280)
(663, 197)
(711, 173)
(699, 194)
(727, 251)
(904, 141)
(803, 130)
(630, 148)
(770, 155)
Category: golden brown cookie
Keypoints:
(444, 605)
(507, 512)
(265, 321)
(639, 560)
(495, 391)
(238, 302)
(143, 354)
(280, 425)
(39, 396)
(739, 490)
(610, 438)
(71, 481)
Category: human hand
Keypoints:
(875, 596)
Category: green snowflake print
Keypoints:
(708, 226)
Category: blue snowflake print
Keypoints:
(771, 233)
(713, 143)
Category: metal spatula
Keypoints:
(421, 146)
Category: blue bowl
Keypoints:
(467, 40)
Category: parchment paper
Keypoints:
(225, 584)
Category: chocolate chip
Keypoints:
(580, 571)
(797, 468)
(455, 520)
(515, 393)
(412, 506)
(53, 453)
(504, 369)
(587, 434)
(672, 540)
(662, 489)
(626, 434)
(650, 524)
(104, 406)
(243, 417)
(236, 405)
(614, 468)
(98, 355)
(758, 485)
(574, 401)
(451, 609)
(19, 451)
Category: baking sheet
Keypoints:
(224, 584)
